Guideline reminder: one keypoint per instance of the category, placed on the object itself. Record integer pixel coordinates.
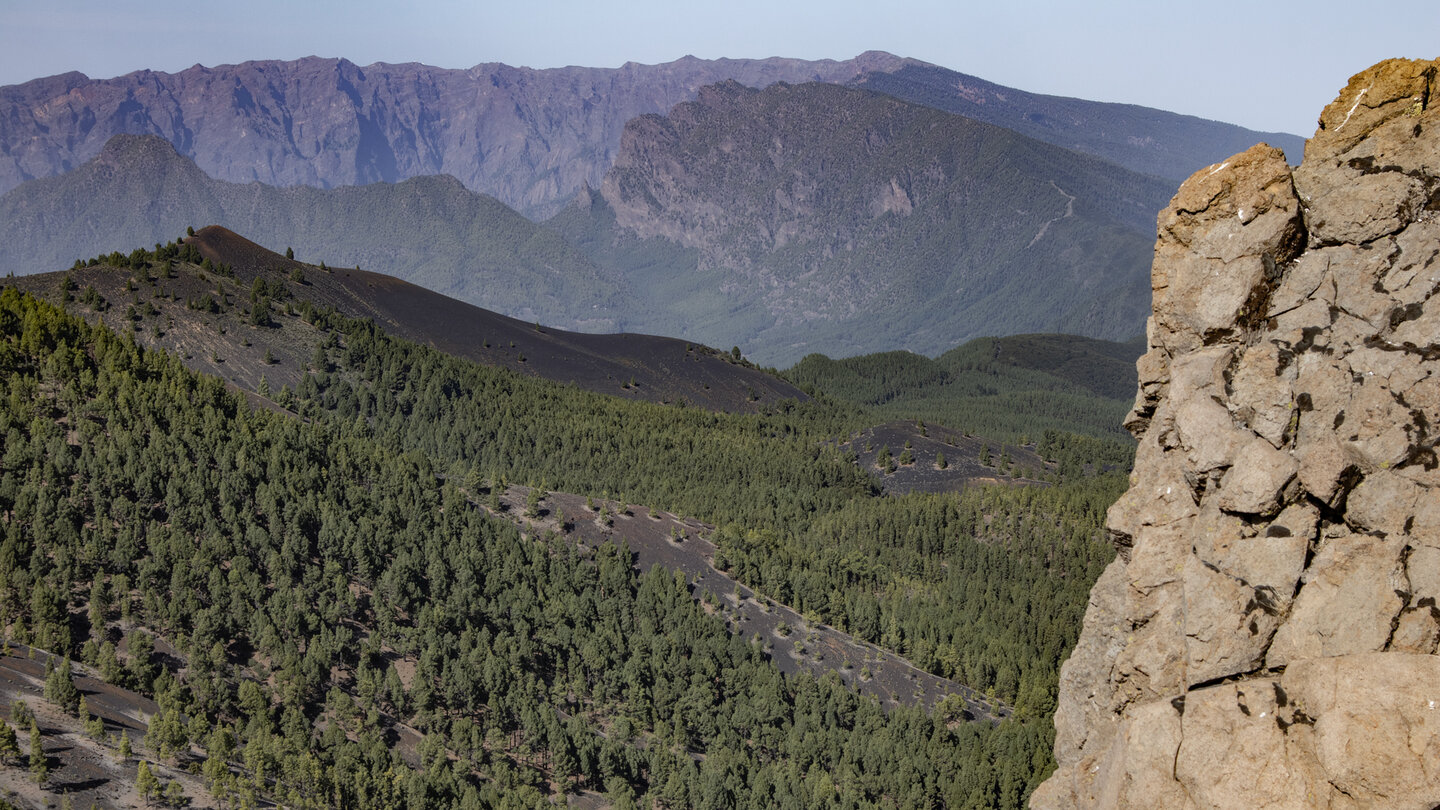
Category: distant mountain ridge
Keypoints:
(1141, 139)
(815, 217)
(530, 138)
(430, 231)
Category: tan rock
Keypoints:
(1263, 386)
(1257, 477)
(1416, 632)
(1347, 603)
(1376, 732)
(1422, 569)
(1384, 502)
(1357, 208)
(1086, 723)
(1233, 750)
(1225, 233)
(1267, 635)
(1393, 91)
(1134, 771)
(1269, 558)
(1228, 625)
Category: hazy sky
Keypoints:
(1266, 65)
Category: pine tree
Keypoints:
(60, 686)
(9, 744)
(146, 783)
(39, 766)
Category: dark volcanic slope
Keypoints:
(1142, 139)
(838, 220)
(429, 230)
(645, 367)
(531, 138)
(160, 310)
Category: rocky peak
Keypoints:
(1267, 635)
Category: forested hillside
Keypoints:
(1013, 388)
(328, 584)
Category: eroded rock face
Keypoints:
(1267, 636)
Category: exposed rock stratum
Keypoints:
(1266, 636)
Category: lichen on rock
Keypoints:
(1267, 635)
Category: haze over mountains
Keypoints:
(844, 221)
(530, 138)
(797, 218)
(429, 230)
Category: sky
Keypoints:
(1269, 66)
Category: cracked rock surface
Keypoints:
(1267, 635)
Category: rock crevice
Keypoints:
(1267, 636)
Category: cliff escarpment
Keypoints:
(1267, 635)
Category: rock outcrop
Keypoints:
(1267, 635)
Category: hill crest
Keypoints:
(238, 310)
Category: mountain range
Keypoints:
(429, 230)
(530, 138)
(797, 218)
(726, 222)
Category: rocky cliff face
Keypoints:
(1267, 635)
